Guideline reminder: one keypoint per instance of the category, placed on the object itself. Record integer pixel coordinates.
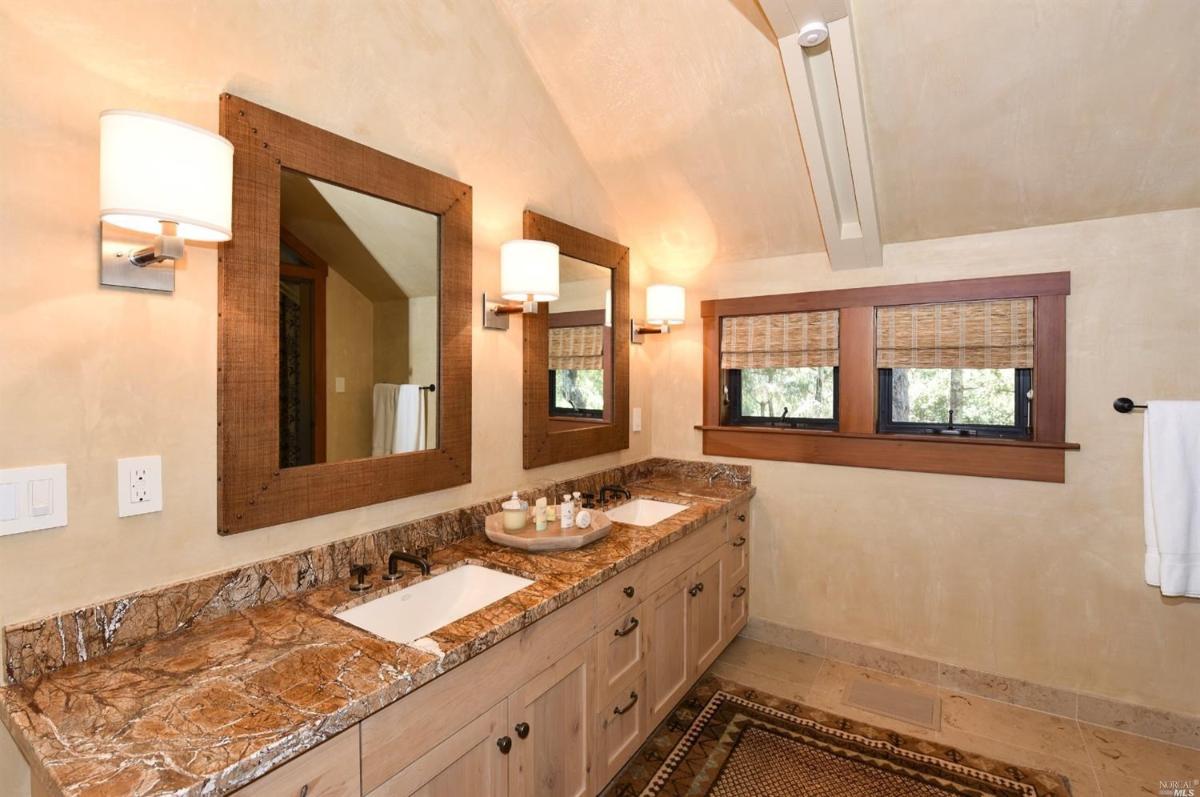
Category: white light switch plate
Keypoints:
(32, 499)
(636, 422)
(139, 486)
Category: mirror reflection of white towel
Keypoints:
(399, 419)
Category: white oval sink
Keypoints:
(643, 512)
(414, 611)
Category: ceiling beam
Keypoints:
(827, 101)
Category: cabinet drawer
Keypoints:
(737, 558)
(328, 770)
(622, 722)
(620, 650)
(621, 593)
(737, 610)
(681, 556)
(739, 521)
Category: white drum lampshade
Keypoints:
(154, 169)
(664, 304)
(529, 271)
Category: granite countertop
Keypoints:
(207, 709)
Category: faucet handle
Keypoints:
(360, 574)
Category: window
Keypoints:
(577, 371)
(780, 370)
(577, 392)
(989, 402)
(801, 398)
(936, 377)
(956, 368)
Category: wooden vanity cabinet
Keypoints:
(524, 720)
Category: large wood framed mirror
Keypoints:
(344, 330)
(576, 357)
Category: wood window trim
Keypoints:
(856, 443)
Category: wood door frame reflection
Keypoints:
(253, 490)
(317, 271)
(549, 440)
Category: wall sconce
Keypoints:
(664, 309)
(528, 275)
(165, 178)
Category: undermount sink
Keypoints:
(643, 512)
(413, 612)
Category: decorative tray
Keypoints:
(554, 538)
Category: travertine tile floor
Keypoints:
(1098, 761)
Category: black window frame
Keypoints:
(732, 385)
(568, 412)
(1022, 428)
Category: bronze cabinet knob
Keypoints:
(628, 592)
(522, 729)
(505, 744)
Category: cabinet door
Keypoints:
(706, 612)
(550, 722)
(668, 663)
(472, 761)
(622, 724)
(329, 770)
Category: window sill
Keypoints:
(967, 456)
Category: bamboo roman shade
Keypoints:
(780, 340)
(989, 334)
(577, 348)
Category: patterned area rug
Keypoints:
(726, 740)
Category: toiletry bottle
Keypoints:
(578, 500)
(552, 509)
(566, 513)
(539, 514)
(514, 515)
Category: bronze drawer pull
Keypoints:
(505, 744)
(739, 592)
(304, 790)
(522, 729)
(696, 589)
(633, 699)
(739, 542)
(628, 592)
(630, 626)
(742, 517)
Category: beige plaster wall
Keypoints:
(349, 354)
(1038, 581)
(92, 374)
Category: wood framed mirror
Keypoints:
(576, 384)
(344, 346)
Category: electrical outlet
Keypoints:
(139, 486)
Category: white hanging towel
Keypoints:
(1171, 486)
(410, 420)
(383, 429)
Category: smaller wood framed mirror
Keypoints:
(576, 359)
(344, 357)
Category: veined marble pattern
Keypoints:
(42, 646)
(207, 709)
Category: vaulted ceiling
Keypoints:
(993, 115)
(682, 109)
(980, 115)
